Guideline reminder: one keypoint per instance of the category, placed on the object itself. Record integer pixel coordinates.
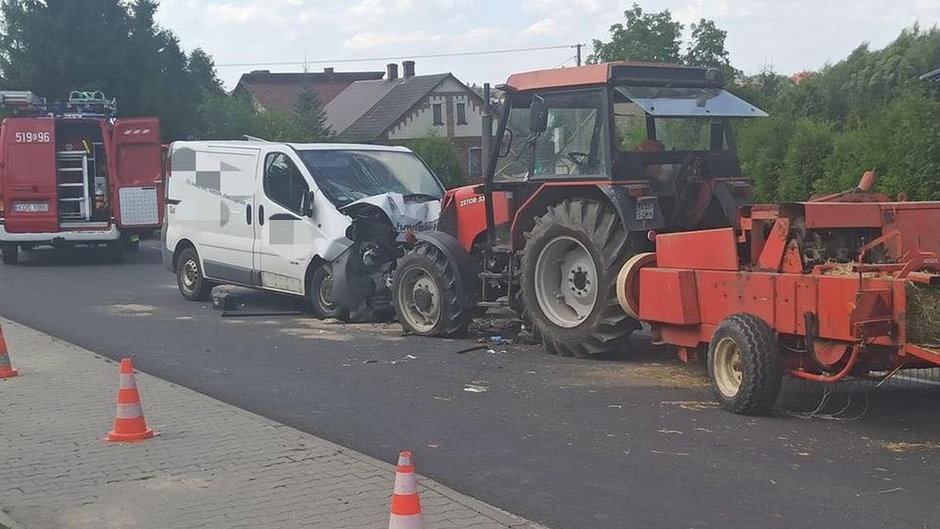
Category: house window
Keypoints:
(461, 113)
(438, 111)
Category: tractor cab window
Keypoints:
(573, 143)
(661, 132)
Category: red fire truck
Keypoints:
(71, 174)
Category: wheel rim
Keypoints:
(727, 369)
(325, 293)
(566, 282)
(420, 300)
(190, 274)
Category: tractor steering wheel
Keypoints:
(581, 159)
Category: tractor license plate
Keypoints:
(31, 207)
(645, 209)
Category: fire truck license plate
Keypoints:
(31, 207)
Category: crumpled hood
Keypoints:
(416, 216)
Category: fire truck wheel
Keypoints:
(193, 286)
(744, 365)
(321, 294)
(425, 296)
(11, 254)
(115, 250)
(569, 267)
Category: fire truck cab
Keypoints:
(71, 174)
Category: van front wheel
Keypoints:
(193, 286)
(320, 294)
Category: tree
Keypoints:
(310, 117)
(442, 157)
(707, 48)
(805, 159)
(55, 46)
(651, 37)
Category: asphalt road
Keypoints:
(609, 443)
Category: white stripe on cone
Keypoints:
(129, 411)
(411, 521)
(127, 381)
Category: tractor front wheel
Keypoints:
(425, 296)
(569, 269)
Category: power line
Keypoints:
(397, 58)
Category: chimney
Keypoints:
(391, 71)
(408, 68)
(328, 70)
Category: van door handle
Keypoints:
(248, 214)
(261, 215)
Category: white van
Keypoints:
(324, 221)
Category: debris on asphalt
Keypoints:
(669, 432)
(370, 361)
(332, 321)
(476, 386)
(692, 405)
(896, 446)
(471, 348)
(618, 406)
(448, 399)
(239, 314)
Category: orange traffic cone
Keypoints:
(6, 369)
(406, 508)
(129, 423)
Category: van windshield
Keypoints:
(346, 176)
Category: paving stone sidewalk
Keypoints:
(212, 466)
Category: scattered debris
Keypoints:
(476, 386)
(238, 314)
(670, 453)
(693, 405)
(618, 406)
(897, 446)
(471, 348)
(669, 432)
(448, 399)
(370, 361)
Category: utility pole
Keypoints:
(578, 56)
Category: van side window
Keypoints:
(283, 182)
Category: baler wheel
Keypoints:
(744, 365)
(569, 269)
(425, 296)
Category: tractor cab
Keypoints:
(664, 129)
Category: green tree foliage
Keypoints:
(804, 160)
(442, 157)
(52, 47)
(651, 37)
(868, 111)
(57, 46)
(310, 117)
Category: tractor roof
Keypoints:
(623, 72)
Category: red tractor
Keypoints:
(589, 163)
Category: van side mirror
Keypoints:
(306, 204)
(538, 115)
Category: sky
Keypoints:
(787, 35)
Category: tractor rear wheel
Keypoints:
(744, 365)
(570, 263)
(425, 296)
